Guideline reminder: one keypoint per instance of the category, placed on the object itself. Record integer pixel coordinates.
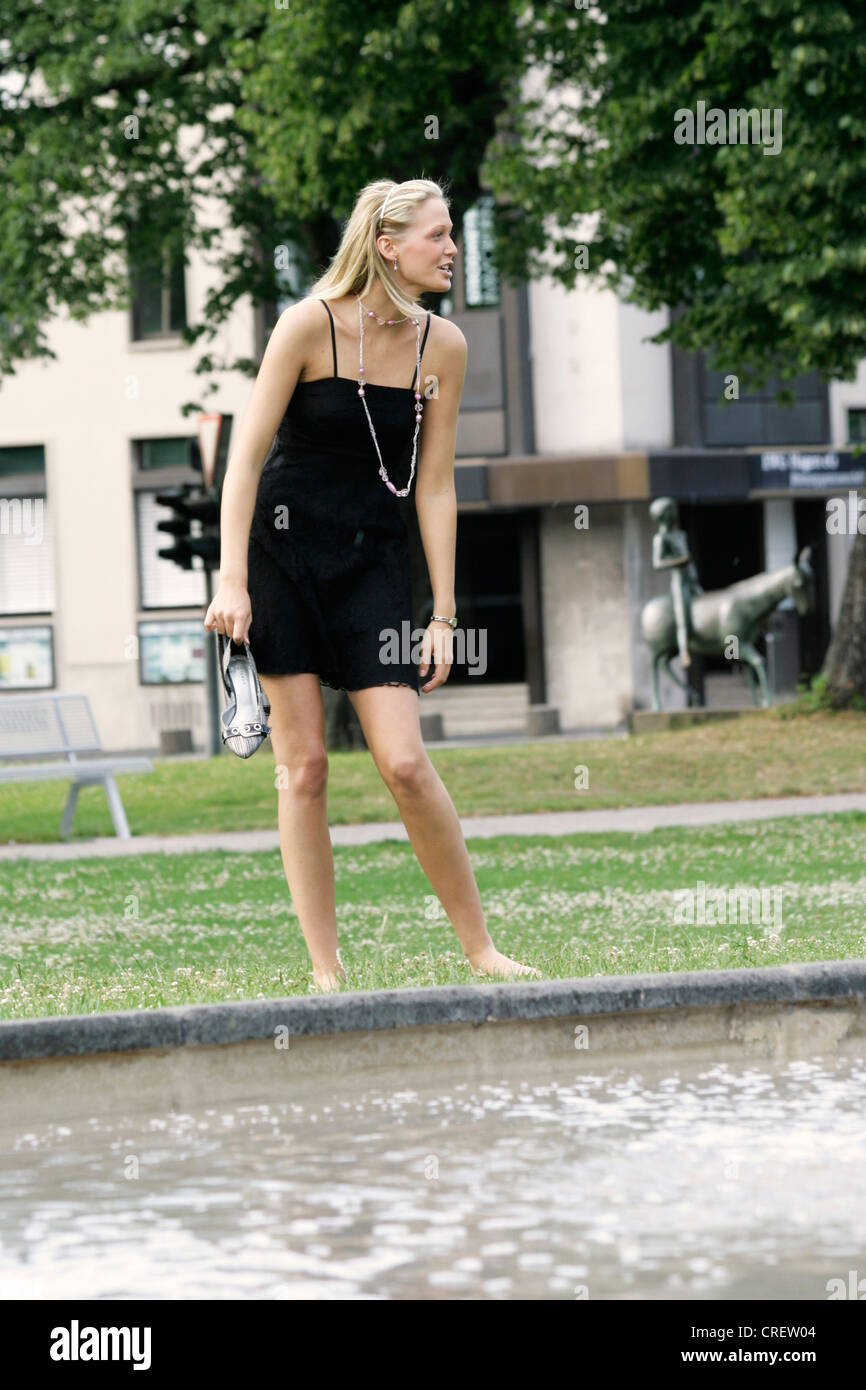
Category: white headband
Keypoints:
(385, 204)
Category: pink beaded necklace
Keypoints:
(383, 472)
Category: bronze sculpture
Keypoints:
(723, 622)
(671, 551)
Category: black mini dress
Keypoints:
(328, 560)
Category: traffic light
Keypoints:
(179, 526)
(191, 504)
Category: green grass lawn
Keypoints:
(98, 935)
(768, 753)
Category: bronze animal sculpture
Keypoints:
(725, 622)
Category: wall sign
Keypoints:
(806, 470)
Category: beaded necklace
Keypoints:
(383, 472)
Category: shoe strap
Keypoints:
(241, 729)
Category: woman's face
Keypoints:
(426, 249)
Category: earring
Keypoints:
(395, 265)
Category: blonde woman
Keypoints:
(315, 560)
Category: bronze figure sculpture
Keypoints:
(723, 622)
(671, 552)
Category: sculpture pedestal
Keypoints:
(432, 728)
(650, 721)
(542, 719)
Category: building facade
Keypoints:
(571, 422)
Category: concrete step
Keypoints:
(514, 696)
(485, 710)
(727, 691)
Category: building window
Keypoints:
(163, 453)
(157, 465)
(756, 417)
(480, 276)
(857, 426)
(294, 274)
(158, 296)
(26, 569)
(172, 652)
(26, 572)
(162, 583)
(27, 458)
(26, 658)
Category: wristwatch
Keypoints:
(437, 618)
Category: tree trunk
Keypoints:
(845, 662)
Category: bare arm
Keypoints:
(673, 563)
(278, 374)
(660, 551)
(435, 493)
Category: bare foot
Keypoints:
(493, 962)
(326, 979)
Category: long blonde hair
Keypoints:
(358, 260)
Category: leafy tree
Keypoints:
(761, 253)
(296, 107)
(293, 110)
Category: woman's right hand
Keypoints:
(230, 612)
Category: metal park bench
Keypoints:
(46, 725)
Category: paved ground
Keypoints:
(638, 818)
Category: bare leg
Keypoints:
(297, 722)
(389, 716)
(680, 616)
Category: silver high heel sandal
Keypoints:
(244, 720)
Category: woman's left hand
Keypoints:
(438, 643)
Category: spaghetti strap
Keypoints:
(333, 338)
(421, 353)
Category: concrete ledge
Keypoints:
(377, 1010)
(318, 1049)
